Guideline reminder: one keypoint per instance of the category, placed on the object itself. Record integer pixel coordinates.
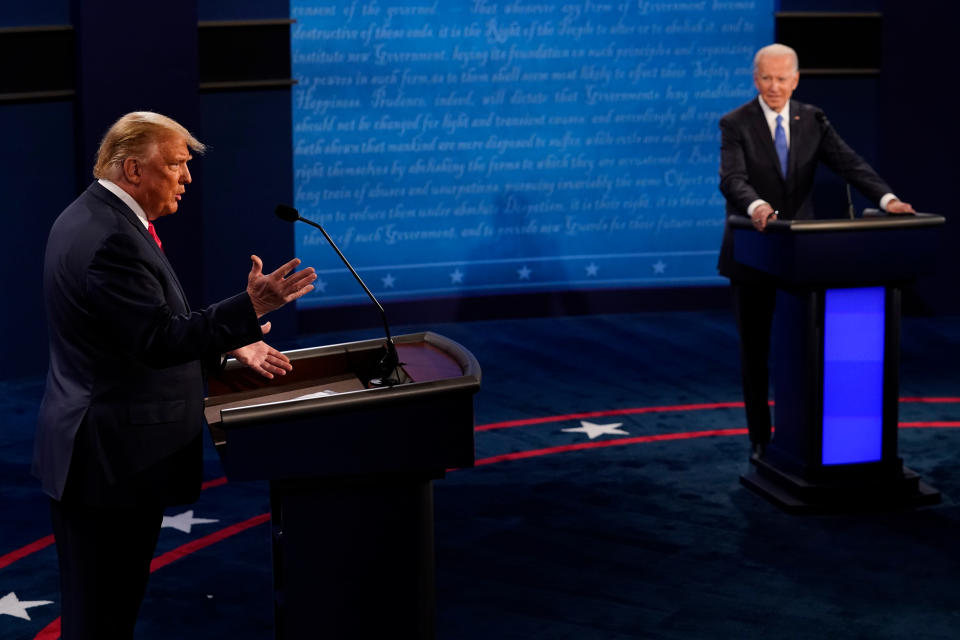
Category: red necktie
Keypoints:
(153, 232)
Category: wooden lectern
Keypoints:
(350, 469)
(836, 344)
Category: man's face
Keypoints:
(775, 79)
(163, 175)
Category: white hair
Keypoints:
(776, 50)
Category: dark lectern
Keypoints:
(836, 343)
(350, 469)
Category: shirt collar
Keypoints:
(771, 115)
(128, 200)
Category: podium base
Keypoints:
(795, 494)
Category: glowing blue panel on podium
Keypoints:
(481, 147)
(853, 352)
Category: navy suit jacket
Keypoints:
(124, 396)
(750, 170)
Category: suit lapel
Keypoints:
(761, 130)
(123, 210)
(797, 138)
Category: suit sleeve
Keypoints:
(126, 297)
(734, 178)
(841, 158)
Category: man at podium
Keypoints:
(119, 430)
(770, 150)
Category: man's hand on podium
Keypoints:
(762, 215)
(899, 207)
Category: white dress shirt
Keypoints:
(127, 200)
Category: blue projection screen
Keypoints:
(470, 147)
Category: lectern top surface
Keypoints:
(321, 388)
(823, 225)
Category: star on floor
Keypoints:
(596, 430)
(524, 273)
(592, 270)
(456, 277)
(659, 266)
(11, 605)
(388, 281)
(184, 521)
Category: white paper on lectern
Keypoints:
(318, 394)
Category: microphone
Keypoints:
(822, 119)
(389, 369)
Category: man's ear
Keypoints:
(131, 170)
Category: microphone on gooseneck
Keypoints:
(389, 367)
(822, 119)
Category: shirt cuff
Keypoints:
(756, 203)
(885, 200)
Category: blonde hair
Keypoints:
(133, 134)
(777, 50)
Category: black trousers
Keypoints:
(754, 303)
(104, 555)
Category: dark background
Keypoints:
(222, 68)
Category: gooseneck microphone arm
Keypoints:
(389, 366)
(290, 214)
(825, 124)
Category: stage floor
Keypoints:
(605, 504)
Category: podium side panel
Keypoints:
(797, 375)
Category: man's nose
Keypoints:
(185, 176)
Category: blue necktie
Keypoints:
(780, 142)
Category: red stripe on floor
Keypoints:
(610, 412)
(533, 453)
(200, 543)
(22, 552)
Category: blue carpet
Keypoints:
(638, 536)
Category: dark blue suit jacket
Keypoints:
(750, 170)
(122, 410)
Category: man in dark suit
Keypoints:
(120, 424)
(770, 150)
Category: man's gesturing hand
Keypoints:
(263, 358)
(280, 287)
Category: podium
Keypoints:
(350, 469)
(836, 346)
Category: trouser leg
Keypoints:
(754, 305)
(104, 555)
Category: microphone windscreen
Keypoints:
(286, 212)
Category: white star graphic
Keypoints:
(659, 266)
(596, 430)
(11, 605)
(388, 281)
(184, 521)
(524, 273)
(320, 285)
(592, 270)
(456, 277)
